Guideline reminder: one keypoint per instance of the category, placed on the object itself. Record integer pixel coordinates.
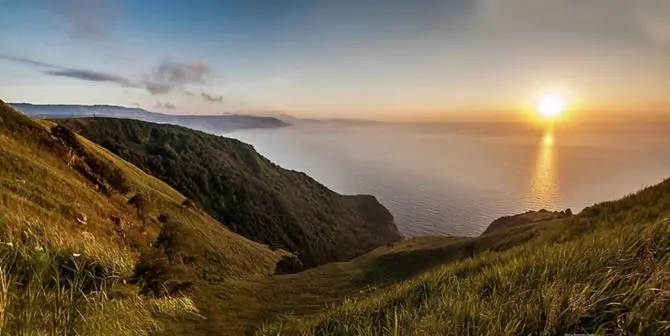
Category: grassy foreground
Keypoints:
(605, 271)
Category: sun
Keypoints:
(551, 106)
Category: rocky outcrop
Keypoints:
(527, 218)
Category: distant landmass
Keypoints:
(293, 120)
(207, 123)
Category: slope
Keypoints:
(253, 196)
(93, 245)
(605, 271)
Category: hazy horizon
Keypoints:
(391, 60)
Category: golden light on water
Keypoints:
(548, 139)
(543, 184)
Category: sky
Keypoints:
(367, 59)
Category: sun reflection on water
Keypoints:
(543, 183)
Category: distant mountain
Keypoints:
(293, 120)
(207, 123)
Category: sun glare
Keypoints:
(551, 106)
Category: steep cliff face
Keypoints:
(251, 195)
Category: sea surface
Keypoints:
(454, 179)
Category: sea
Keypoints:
(456, 178)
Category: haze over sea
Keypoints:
(454, 179)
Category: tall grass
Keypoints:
(613, 280)
(47, 292)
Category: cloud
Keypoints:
(88, 75)
(616, 19)
(156, 88)
(166, 77)
(189, 93)
(29, 61)
(82, 74)
(211, 99)
(170, 75)
(166, 105)
(182, 73)
(86, 19)
(653, 18)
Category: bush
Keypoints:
(158, 276)
(140, 203)
(288, 265)
(163, 218)
(163, 270)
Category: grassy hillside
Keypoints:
(605, 270)
(250, 194)
(92, 245)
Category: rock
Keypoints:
(189, 204)
(81, 218)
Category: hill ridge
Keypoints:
(253, 196)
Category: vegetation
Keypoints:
(251, 195)
(72, 252)
(605, 271)
(543, 215)
(78, 259)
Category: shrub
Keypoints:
(289, 264)
(164, 270)
(163, 218)
(140, 203)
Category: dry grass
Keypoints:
(68, 249)
(605, 271)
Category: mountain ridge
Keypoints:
(209, 123)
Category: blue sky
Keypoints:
(382, 59)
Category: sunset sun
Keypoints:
(551, 106)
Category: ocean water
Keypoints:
(455, 179)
